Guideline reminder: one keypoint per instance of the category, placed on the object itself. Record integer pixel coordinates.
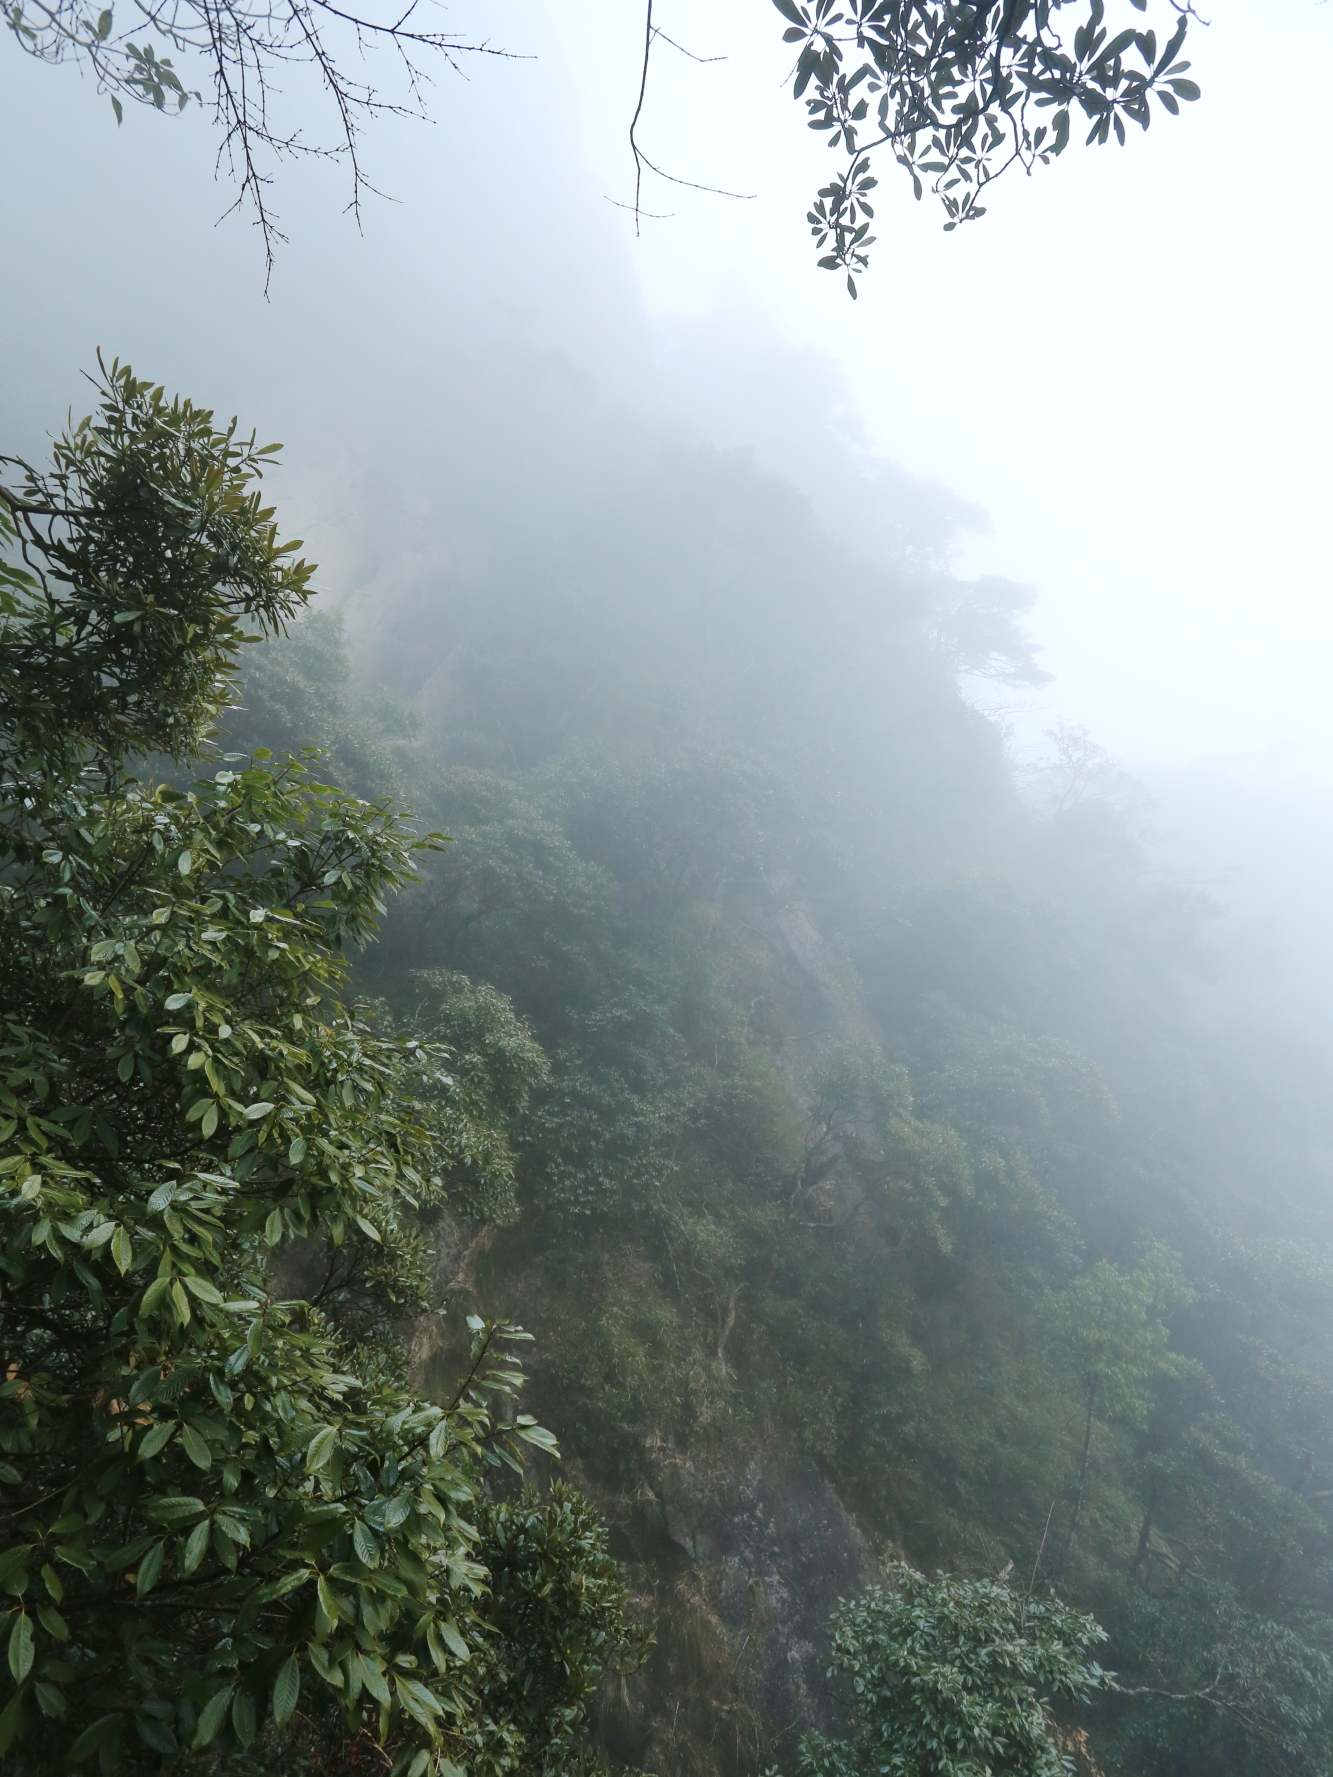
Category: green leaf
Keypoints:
(13, 1562)
(50, 1701)
(243, 1717)
(320, 1448)
(93, 1739)
(156, 1734)
(419, 1702)
(254, 1112)
(157, 1438)
(328, 1604)
(195, 1448)
(203, 1289)
(21, 1648)
(212, 1716)
(286, 1689)
(11, 1721)
(150, 1570)
(122, 1250)
(154, 1296)
(196, 1547)
(372, 1676)
(453, 1640)
(538, 1435)
(172, 1509)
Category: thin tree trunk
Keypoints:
(1082, 1476)
(1145, 1532)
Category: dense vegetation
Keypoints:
(837, 1112)
(231, 1528)
(888, 1185)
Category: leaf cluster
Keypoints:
(955, 90)
(955, 1678)
(225, 1514)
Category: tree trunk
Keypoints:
(1140, 1554)
(1082, 1477)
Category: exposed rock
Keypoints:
(775, 1550)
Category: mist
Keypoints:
(885, 760)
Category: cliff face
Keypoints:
(859, 1071)
(771, 1549)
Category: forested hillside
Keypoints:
(881, 1191)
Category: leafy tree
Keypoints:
(955, 1678)
(1109, 1324)
(557, 1620)
(696, 927)
(1232, 1689)
(225, 1509)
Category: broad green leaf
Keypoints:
(150, 1570)
(203, 1289)
(196, 1547)
(243, 1717)
(21, 1646)
(196, 1448)
(321, 1448)
(286, 1689)
(93, 1738)
(212, 1716)
(156, 1438)
(372, 1676)
(419, 1702)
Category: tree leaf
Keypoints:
(21, 1647)
(196, 1547)
(156, 1438)
(196, 1448)
(150, 1570)
(212, 1716)
(420, 1703)
(243, 1717)
(286, 1689)
(320, 1448)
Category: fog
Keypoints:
(887, 752)
(1114, 390)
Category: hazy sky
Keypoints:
(1127, 362)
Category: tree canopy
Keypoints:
(953, 1678)
(228, 1515)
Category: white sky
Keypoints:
(1127, 362)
